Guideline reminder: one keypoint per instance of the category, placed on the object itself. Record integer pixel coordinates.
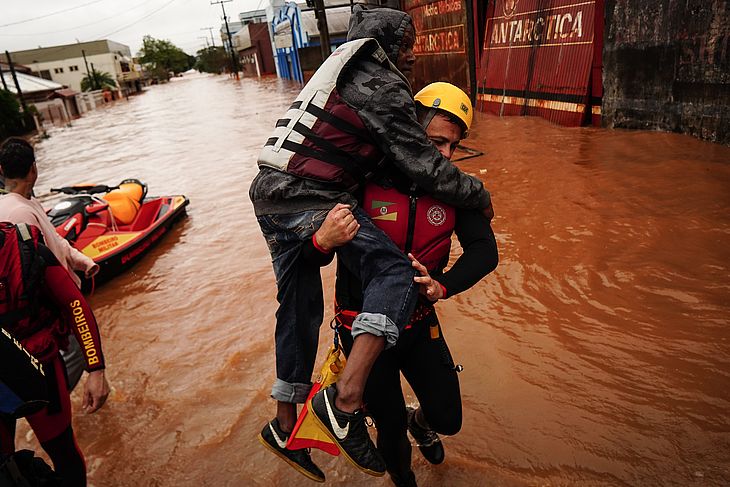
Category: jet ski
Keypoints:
(114, 225)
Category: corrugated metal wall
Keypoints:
(543, 58)
(443, 42)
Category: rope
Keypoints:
(335, 325)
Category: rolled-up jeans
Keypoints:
(389, 292)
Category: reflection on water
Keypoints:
(596, 354)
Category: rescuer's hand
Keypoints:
(338, 228)
(96, 390)
(430, 287)
(489, 211)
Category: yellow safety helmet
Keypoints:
(449, 98)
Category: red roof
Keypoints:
(66, 92)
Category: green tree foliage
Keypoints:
(212, 60)
(97, 80)
(11, 119)
(161, 57)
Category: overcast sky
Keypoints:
(57, 22)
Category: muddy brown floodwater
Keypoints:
(596, 354)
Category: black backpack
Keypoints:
(22, 272)
(22, 378)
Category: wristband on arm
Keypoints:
(319, 247)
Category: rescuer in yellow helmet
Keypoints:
(446, 98)
(422, 227)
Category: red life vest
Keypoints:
(23, 310)
(416, 223)
(320, 136)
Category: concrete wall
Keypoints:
(666, 66)
(53, 112)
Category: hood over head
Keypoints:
(386, 25)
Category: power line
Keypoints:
(210, 29)
(59, 48)
(118, 29)
(177, 34)
(138, 20)
(52, 13)
(37, 34)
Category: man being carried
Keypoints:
(354, 117)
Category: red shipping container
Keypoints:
(542, 58)
(443, 45)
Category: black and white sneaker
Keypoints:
(273, 438)
(428, 441)
(348, 431)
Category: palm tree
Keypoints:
(97, 80)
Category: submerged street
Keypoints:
(597, 354)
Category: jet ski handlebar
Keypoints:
(85, 189)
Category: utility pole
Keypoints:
(93, 71)
(212, 39)
(234, 63)
(207, 44)
(17, 86)
(324, 33)
(2, 77)
(92, 81)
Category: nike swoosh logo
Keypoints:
(282, 444)
(340, 433)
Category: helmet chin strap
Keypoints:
(430, 113)
(428, 117)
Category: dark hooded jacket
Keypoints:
(385, 25)
(384, 102)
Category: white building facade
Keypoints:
(66, 64)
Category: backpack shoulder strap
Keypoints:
(24, 232)
(31, 272)
(32, 264)
(9, 318)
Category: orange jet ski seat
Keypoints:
(125, 201)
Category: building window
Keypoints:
(73, 68)
(58, 70)
(46, 74)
